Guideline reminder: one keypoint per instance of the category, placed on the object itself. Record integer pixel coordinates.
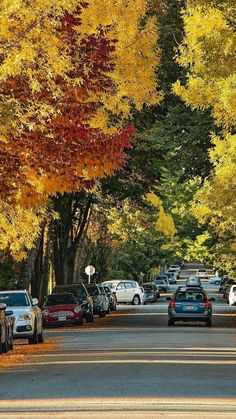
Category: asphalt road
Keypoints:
(132, 365)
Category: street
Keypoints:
(131, 364)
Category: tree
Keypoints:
(66, 91)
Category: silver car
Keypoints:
(27, 316)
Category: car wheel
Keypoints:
(10, 344)
(40, 338)
(34, 340)
(208, 323)
(217, 283)
(136, 300)
(102, 314)
(171, 322)
(5, 347)
(89, 317)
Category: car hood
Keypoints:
(61, 307)
(18, 311)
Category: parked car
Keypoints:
(81, 294)
(62, 308)
(28, 323)
(111, 296)
(215, 280)
(171, 277)
(193, 282)
(126, 291)
(190, 304)
(175, 267)
(152, 292)
(202, 273)
(232, 295)
(100, 299)
(227, 284)
(222, 282)
(174, 271)
(6, 329)
(162, 282)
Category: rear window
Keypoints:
(190, 296)
(14, 300)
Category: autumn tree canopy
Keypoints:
(70, 74)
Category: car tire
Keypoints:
(11, 343)
(40, 338)
(136, 300)
(171, 322)
(217, 283)
(102, 314)
(89, 317)
(5, 347)
(208, 323)
(34, 340)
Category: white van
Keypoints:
(126, 291)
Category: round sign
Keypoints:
(90, 270)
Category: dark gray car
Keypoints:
(190, 304)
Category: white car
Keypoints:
(126, 291)
(202, 273)
(27, 316)
(175, 267)
(232, 296)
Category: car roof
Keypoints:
(13, 291)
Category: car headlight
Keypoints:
(45, 313)
(77, 310)
(25, 317)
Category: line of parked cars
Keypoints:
(227, 287)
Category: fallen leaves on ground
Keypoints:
(22, 350)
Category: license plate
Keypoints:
(62, 318)
(189, 308)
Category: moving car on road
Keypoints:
(28, 323)
(126, 291)
(202, 273)
(6, 333)
(62, 308)
(162, 282)
(190, 304)
(172, 277)
(82, 296)
(193, 282)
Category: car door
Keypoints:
(131, 290)
(121, 293)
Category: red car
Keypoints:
(61, 309)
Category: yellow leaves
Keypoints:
(208, 53)
(18, 228)
(165, 223)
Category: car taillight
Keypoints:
(207, 305)
(77, 310)
(172, 304)
(45, 313)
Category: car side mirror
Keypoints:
(8, 312)
(168, 298)
(212, 299)
(35, 301)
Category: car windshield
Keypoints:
(185, 296)
(93, 290)
(148, 288)
(60, 299)
(19, 299)
(160, 281)
(78, 291)
(110, 284)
